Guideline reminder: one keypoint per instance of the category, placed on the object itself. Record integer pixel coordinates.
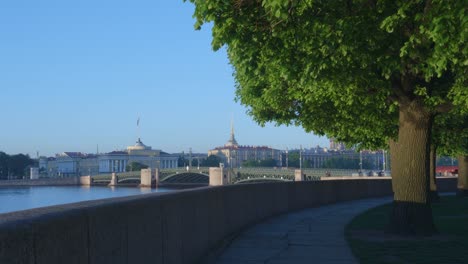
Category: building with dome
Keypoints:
(68, 164)
(116, 161)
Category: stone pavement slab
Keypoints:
(314, 235)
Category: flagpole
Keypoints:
(138, 128)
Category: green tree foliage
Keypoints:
(363, 72)
(451, 134)
(260, 163)
(14, 166)
(182, 161)
(135, 166)
(346, 163)
(211, 161)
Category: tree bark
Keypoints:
(462, 176)
(412, 213)
(434, 194)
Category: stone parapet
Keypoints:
(175, 227)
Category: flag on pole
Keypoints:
(138, 121)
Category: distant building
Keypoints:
(68, 164)
(47, 167)
(233, 154)
(336, 145)
(76, 164)
(117, 161)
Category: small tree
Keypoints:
(211, 161)
(135, 166)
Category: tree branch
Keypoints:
(444, 107)
(399, 93)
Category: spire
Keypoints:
(232, 129)
(232, 139)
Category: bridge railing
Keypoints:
(164, 173)
(319, 172)
(240, 174)
(121, 175)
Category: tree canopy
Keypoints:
(14, 165)
(314, 63)
(135, 166)
(211, 161)
(366, 72)
(260, 163)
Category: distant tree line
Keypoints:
(347, 163)
(135, 166)
(14, 166)
(210, 161)
(260, 163)
(332, 163)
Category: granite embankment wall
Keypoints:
(178, 227)
(41, 182)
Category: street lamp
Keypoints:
(383, 160)
(360, 160)
(300, 158)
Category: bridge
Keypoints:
(200, 176)
(166, 176)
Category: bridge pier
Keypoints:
(147, 175)
(145, 178)
(86, 180)
(114, 180)
(218, 176)
(299, 175)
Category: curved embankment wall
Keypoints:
(177, 227)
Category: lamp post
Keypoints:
(383, 160)
(190, 159)
(300, 158)
(360, 160)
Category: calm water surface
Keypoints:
(22, 198)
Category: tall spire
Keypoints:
(232, 139)
(232, 128)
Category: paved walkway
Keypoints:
(314, 235)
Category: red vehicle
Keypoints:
(444, 170)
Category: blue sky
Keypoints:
(77, 74)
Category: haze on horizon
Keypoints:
(79, 74)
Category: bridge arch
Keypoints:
(187, 177)
(129, 180)
(258, 180)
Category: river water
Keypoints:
(22, 198)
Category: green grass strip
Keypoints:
(371, 245)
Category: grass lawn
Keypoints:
(369, 243)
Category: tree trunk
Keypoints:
(434, 194)
(411, 213)
(463, 175)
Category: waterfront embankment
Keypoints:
(176, 227)
(41, 182)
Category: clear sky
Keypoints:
(77, 74)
